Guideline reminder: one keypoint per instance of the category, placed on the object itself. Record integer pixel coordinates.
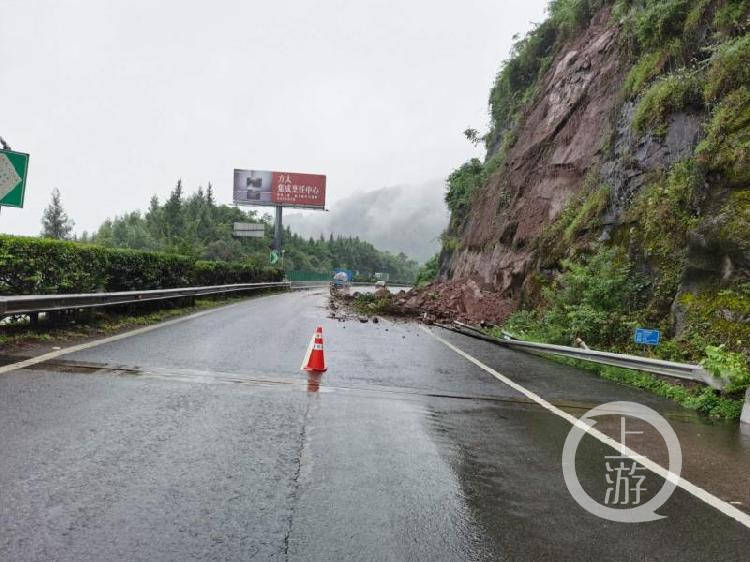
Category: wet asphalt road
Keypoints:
(204, 440)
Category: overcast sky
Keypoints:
(115, 100)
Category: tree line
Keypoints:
(194, 225)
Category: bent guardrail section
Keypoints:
(659, 366)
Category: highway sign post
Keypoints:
(13, 170)
(248, 229)
(647, 337)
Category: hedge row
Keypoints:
(43, 266)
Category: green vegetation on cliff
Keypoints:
(674, 251)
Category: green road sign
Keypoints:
(13, 169)
(273, 257)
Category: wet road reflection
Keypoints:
(313, 382)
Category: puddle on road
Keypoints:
(310, 382)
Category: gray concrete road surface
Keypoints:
(203, 440)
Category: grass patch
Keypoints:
(675, 92)
(667, 209)
(726, 147)
(660, 21)
(732, 16)
(650, 65)
(581, 214)
(729, 69)
(717, 317)
(702, 399)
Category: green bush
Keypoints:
(582, 213)
(726, 147)
(704, 400)
(660, 21)
(428, 272)
(675, 92)
(730, 68)
(667, 209)
(223, 273)
(649, 66)
(461, 185)
(570, 16)
(729, 366)
(593, 299)
(43, 266)
(732, 15)
(716, 317)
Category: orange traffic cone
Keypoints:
(314, 360)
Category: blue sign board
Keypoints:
(647, 337)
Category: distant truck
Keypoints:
(340, 281)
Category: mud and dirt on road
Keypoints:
(368, 307)
(434, 303)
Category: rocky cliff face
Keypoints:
(558, 142)
(632, 136)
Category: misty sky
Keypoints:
(115, 100)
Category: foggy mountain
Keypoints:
(401, 218)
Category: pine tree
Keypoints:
(210, 195)
(172, 212)
(55, 221)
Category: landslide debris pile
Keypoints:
(616, 187)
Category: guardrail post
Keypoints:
(745, 417)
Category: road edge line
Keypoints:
(88, 345)
(705, 496)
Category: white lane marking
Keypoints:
(703, 495)
(88, 345)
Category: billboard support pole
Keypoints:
(5, 146)
(277, 230)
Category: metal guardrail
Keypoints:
(28, 304)
(670, 368)
(299, 285)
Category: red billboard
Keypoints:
(288, 189)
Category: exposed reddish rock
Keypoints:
(456, 300)
(557, 142)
